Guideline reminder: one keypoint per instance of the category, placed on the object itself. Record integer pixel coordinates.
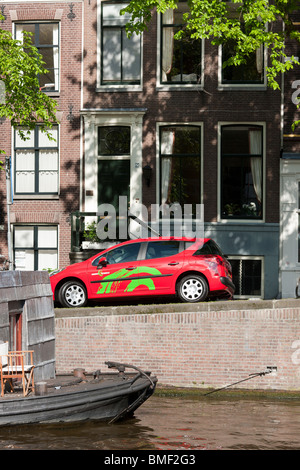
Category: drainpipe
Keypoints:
(9, 201)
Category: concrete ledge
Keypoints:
(218, 306)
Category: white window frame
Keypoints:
(113, 87)
(56, 90)
(181, 124)
(176, 86)
(249, 258)
(241, 86)
(219, 215)
(36, 195)
(34, 248)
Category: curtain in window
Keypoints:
(55, 56)
(167, 143)
(167, 53)
(40, 239)
(260, 59)
(48, 171)
(25, 171)
(256, 162)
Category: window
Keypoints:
(250, 72)
(36, 162)
(180, 58)
(113, 140)
(299, 222)
(45, 37)
(35, 247)
(120, 55)
(247, 276)
(209, 248)
(162, 249)
(242, 172)
(180, 162)
(121, 254)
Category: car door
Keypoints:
(162, 259)
(112, 274)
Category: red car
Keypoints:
(192, 270)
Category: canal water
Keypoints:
(174, 424)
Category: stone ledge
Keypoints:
(230, 305)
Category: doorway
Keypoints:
(15, 309)
(113, 181)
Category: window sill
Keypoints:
(241, 221)
(118, 88)
(246, 87)
(181, 87)
(20, 197)
(52, 93)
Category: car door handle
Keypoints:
(130, 268)
(173, 263)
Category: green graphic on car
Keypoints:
(113, 280)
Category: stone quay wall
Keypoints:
(203, 345)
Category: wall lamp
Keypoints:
(147, 172)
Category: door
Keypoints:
(118, 275)
(113, 181)
(162, 261)
(15, 331)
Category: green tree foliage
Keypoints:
(21, 100)
(249, 24)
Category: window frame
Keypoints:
(160, 126)
(244, 220)
(113, 85)
(36, 149)
(230, 85)
(35, 248)
(39, 46)
(175, 86)
(262, 279)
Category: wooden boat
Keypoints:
(107, 396)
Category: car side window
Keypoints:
(162, 249)
(124, 253)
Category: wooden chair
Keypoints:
(17, 365)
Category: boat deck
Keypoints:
(69, 383)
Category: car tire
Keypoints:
(192, 288)
(73, 294)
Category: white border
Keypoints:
(111, 88)
(219, 215)
(181, 124)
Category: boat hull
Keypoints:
(108, 400)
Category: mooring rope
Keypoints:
(251, 376)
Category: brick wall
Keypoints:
(39, 209)
(209, 345)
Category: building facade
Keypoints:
(45, 175)
(156, 120)
(290, 179)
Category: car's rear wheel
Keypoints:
(73, 294)
(192, 288)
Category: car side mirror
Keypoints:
(102, 262)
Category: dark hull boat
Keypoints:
(108, 397)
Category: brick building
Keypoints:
(45, 175)
(210, 136)
(290, 178)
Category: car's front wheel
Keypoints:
(192, 288)
(73, 294)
